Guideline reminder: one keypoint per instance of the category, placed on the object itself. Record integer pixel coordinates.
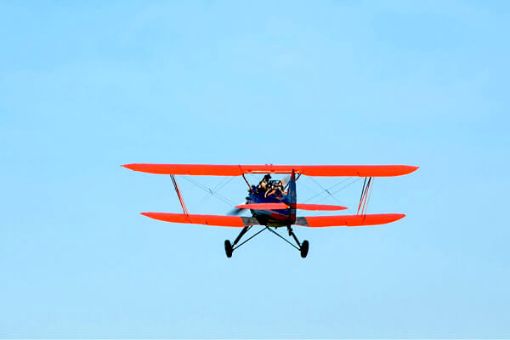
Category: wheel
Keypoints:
(228, 248)
(304, 248)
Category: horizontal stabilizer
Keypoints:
(322, 207)
(263, 206)
(308, 170)
(277, 206)
(211, 220)
(347, 220)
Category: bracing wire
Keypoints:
(212, 192)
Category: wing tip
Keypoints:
(152, 215)
(130, 166)
(399, 216)
(412, 168)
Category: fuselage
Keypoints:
(271, 218)
(276, 217)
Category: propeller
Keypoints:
(285, 181)
(237, 211)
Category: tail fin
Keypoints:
(292, 196)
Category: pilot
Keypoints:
(263, 185)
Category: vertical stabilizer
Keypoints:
(292, 196)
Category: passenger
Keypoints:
(263, 186)
(270, 191)
(276, 189)
(281, 188)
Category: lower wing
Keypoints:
(212, 220)
(347, 220)
(312, 221)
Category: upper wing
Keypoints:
(309, 170)
(214, 220)
(348, 220)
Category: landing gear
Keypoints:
(228, 248)
(304, 248)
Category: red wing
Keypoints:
(309, 170)
(348, 220)
(213, 220)
(313, 221)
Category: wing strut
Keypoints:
(181, 200)
(365, 193)
(247, 183)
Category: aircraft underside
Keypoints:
(274, 218)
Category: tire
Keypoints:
(305, 246)
(228, 248)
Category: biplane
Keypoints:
(273, 203)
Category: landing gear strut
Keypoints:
(302, 247)
(230, 247)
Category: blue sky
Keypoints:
(85, 87)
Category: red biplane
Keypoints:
(273, 203)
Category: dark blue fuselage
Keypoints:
(277, 217)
